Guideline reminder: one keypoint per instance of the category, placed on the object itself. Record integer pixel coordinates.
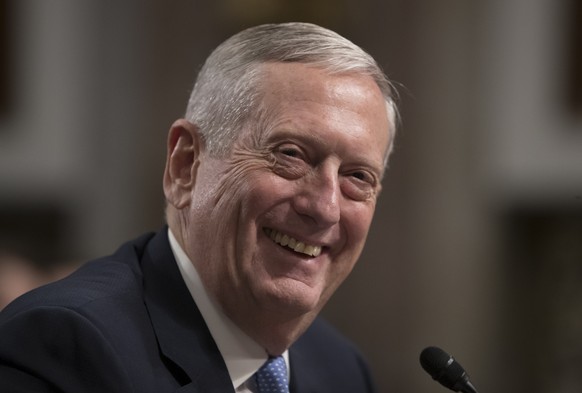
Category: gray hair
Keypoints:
(227, 88)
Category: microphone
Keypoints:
(444, 369)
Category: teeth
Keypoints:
(292, 243)
(299, 247)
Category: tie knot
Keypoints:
(272, 376)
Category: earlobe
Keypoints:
(182, 162)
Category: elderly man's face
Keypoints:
(280, 223)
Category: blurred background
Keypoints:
(477, 242)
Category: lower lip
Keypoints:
(294, 265)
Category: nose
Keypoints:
(319, 197)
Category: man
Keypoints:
(271, 182)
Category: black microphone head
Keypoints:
(444, 369)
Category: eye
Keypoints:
(291, 161)
(290, 151)
(359, 175)
(363, 176)
(359, 185)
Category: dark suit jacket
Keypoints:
(127, 323)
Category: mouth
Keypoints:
(292, 243)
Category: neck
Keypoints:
(274, 332)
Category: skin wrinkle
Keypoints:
(359, 189)
(267, 122)
(244, 160)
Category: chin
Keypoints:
(293, 297)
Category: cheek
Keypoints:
(241, 194)
(357, 223)
(355, 226)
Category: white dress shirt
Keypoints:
(242, 355)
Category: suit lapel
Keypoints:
(182, 334)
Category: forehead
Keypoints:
(298, 79)
(299, 97)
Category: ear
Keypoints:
(182, 161)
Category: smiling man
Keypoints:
(271, 183)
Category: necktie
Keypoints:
(272, 376)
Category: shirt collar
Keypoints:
(241, 354)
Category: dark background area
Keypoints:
(476, 245)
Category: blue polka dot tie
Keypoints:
(272, 376)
